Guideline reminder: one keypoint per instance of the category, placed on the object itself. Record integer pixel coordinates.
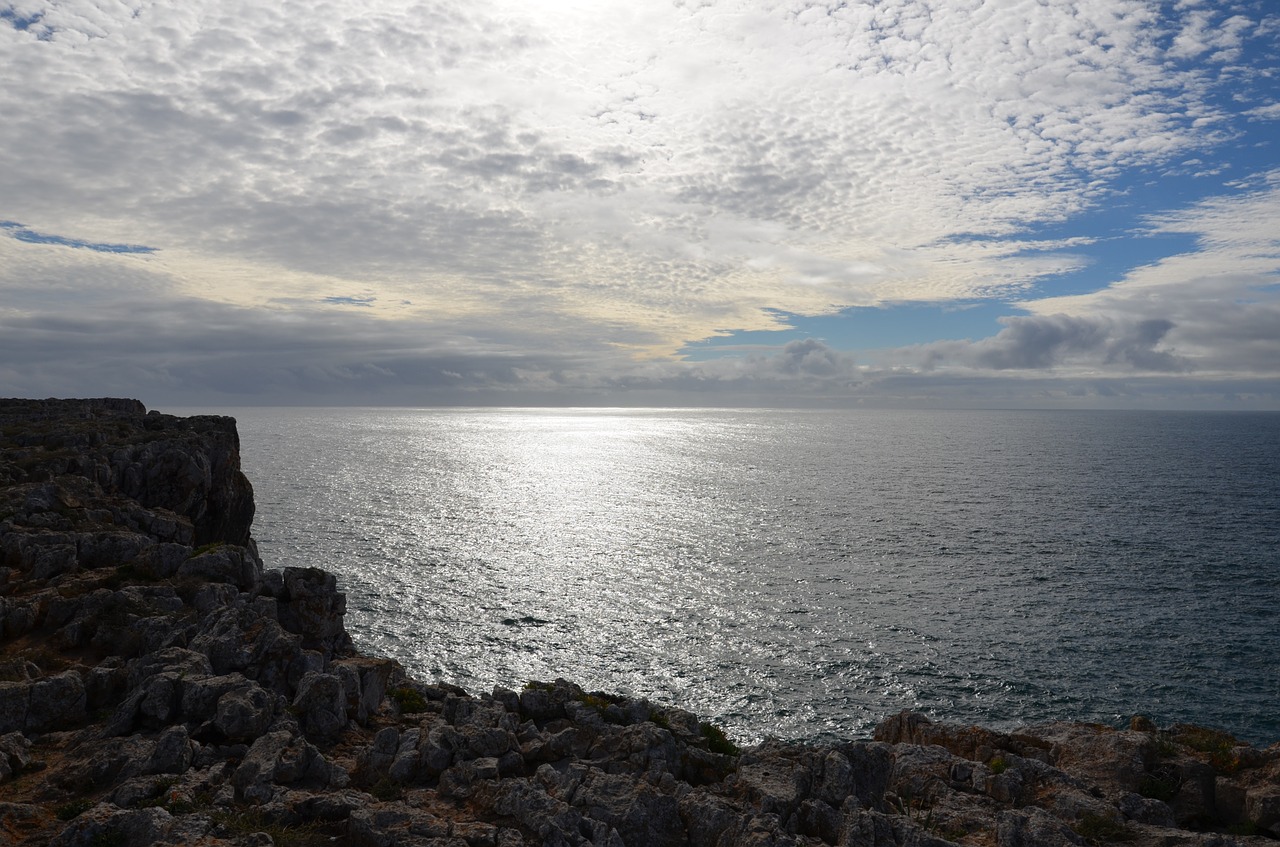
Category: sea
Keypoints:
(801, 574)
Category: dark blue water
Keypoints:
(802, 574)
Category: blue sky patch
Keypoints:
(21, 233)
(24, 23)
(863, 328)
(336, 300)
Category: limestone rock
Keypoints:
(227, 563)
(279, 758)
(244, 713)
(15, 754)
(321, 704)
(311, 606)
(105, 824)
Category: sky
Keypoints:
(907, 203)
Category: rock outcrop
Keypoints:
(158, 686)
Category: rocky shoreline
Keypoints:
(159, 686)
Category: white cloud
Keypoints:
(625, 177)
(1213, 310)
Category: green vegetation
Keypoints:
(717, 741)
(128, 574)
(598, 700)
(1157, 787)
(998, 765)
(1101, 829)
(73, 809)
(161, 797)
(240, 822)
(1217, 744)
(46, 658)
(919, 810)
(408, 699)
(386, 790)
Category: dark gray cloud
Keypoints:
(806, 357)
(1043, 342)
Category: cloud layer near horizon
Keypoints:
(422, 202)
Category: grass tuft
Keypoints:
(73, 809)
(408, 700)
(1100, 829)
(717, 741)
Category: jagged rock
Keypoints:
(227, 563)
(15, 754)
(173, 752)
(376, 760)
(636, 811)
(1034, 827)
(1262, 806)
(1195, 804)
(176, 660)
(771, 784)
(320, 704)
(1147, 810)
(106, 684)
(187, 466)
(138, 789)
(280, 757)
(869, 828)
(104, 824)
(311, 606)
(434, 756)
(15, 701)
(334, 805)
(241, 639)
(245, 712)
(42, 704)
(365, 682)
(393, 825)
(111, 548)
(1118, 759)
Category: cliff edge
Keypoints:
(159, 686)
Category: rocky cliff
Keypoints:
(158, 686)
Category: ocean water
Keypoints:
(801, 574)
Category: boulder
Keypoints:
(244, 712)
(226, 563)
(320, 704)
(311, 606)
(282, 758)
(15, 754)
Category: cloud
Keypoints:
(807, 357)
(1045, 342)
(1213, 310)
(321, 138)
(348, 300)
(582, 189)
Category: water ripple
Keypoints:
(801, 574)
